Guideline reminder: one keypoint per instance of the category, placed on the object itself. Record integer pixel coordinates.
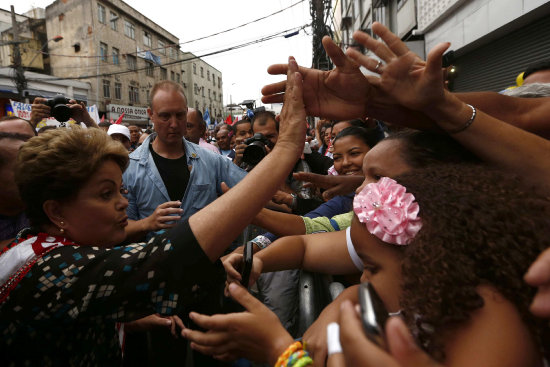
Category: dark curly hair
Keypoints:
(480, 227)
(425, 148)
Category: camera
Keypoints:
(60, 111)
(255, 150)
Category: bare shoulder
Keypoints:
(494, 336)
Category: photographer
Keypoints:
(243, 131)
(40, 110)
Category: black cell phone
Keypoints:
(248, 257)
(373, 314)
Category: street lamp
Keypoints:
(55, 39)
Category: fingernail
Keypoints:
(233, 286)
(168, 322)
(192, 315)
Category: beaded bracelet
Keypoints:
(281, 362)
(296, 356)
(304, 361)
(467, 124)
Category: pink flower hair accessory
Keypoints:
(388, 211)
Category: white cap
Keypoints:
(118, 129)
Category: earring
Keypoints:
(61, 229)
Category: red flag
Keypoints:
(111, 121)
(102, 118)
(228, 120)
(119, 120)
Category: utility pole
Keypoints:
(320, 11)
(20, 81)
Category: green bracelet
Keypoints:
(304, 361)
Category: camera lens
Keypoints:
(254, 153)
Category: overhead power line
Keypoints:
(181, 43)
(244, 24)
(260, 40)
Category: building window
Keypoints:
(132, 62)
(103, 51)
(202, 88)
(213, 80)
(149, 69)
(214, 95)
(113, 21)
(147, 39)
(196, 105)
(178, 78)
(118, 91)
(202, 72)
(194, 69)
(196, 88)
(208, 74)
(133, 94)
(148, 95)
(116, 56)
(220, 97)
(100, 13)
(172, 76)
(162, 47)
(106, 89)
(163, 74)
(173, 52)
(219, 82)
(209, 96)
(129, 30)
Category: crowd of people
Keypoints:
(118, 244)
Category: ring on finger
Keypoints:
(378, 65)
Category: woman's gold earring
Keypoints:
(61, 229)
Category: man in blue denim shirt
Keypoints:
(168, 178)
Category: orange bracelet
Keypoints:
(287, 353)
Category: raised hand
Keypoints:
(405, 77)
(341, 93)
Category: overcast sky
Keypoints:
(244, 70)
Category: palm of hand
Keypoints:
(338, 93)
(407, 80)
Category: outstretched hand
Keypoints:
(341, 93)
(255, 334)
(334, 185)
(233, 262)
(410, 81)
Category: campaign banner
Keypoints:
(23, 110)
(130, 112)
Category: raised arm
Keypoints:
(214, 239)
(420, 87)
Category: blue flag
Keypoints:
(207, 116)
